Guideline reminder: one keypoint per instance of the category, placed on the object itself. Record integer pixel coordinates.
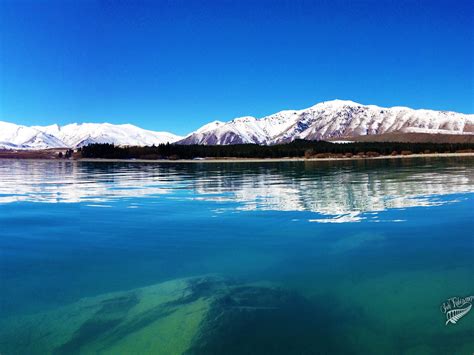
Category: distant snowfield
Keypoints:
(325, 121)
(77, 135)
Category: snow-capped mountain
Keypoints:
(75, 135)
(13, 136)
(331, 119)
(326, 120)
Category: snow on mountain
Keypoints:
(348, 119)
(332, 119)
(210, 126)
(77, 135)
(326, 120)
(239, 130)
(14, 136)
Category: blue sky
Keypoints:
(175, 65)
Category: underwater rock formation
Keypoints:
(207, 314)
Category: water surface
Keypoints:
(298, 257)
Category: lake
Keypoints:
(349, 257)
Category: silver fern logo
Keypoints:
(456, 307)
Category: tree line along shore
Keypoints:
(296, 149)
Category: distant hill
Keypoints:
(411, 138)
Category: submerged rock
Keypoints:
(159, 319)
(251, 319)
(202, 315)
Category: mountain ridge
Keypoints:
(76, 135)
(333, 119)
(326, 120)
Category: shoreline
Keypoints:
(243, 160)
(274, 160)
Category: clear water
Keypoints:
(245, 258)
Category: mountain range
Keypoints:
(75, 135)
(324, 121)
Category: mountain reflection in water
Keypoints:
(340, 191)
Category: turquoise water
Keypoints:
(236, 258)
